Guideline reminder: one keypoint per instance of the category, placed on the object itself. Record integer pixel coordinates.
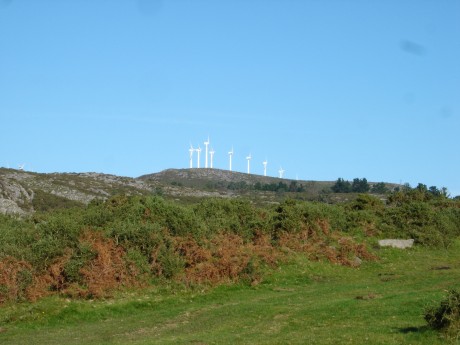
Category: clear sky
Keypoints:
(323, 88)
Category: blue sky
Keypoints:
(325, 89)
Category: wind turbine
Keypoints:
(281, 171)
(191, 149)
(211, 153)
(230, 154)
(198, 150)
(265, 167)
(21, 166)
(249, 159)
(206, 143)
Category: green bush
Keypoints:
(143, 237)
(446, 316)
(80, 257)
(16, 237)
(168, 263)
(237, 216)
(367, 202)
(295, 216)
(425, 222)
(139, 260)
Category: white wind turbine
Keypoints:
(249, 160)
(281, 172)
(211, 153)
(190, 150)
(198, 150)
(265, 167)
(230, 154)
(206, 143)
(21, 166)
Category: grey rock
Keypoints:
(10, 207)
(357, 261)
(396, 243)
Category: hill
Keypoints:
(58, 265)
(202, 177)
(25, 192)
(258, 188)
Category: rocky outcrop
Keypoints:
(10, 207)
(17, 188)
(14, 197)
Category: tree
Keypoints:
(360, 185)
(379, 188)
(293, 186)
(341, 186)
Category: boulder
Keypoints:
(396, 243)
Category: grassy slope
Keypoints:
(302, 302)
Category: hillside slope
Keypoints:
(24, 192)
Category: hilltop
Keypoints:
(202, 176)
(25, 192)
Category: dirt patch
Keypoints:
(440, 268)
(367, 297)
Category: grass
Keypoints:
(301, 302)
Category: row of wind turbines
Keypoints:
(211, 152)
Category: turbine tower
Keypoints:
(230, 154)
(21, 166)
(281, 171)
(190, 150)
(211, 153)
(198, 150)
(249, 160)
(206, 143)
(265, 167)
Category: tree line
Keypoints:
(362, 186)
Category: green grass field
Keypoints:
(301, 302)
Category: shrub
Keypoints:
(236, 216)
(15, 278)
(427, 223)
(107, 270)
(367, 202)
(79, 258)
(295, 216)
(44, 201)
(446, 316)
(16, 237)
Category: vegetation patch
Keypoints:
(445, 317)
(132, 241)
(43, 201)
